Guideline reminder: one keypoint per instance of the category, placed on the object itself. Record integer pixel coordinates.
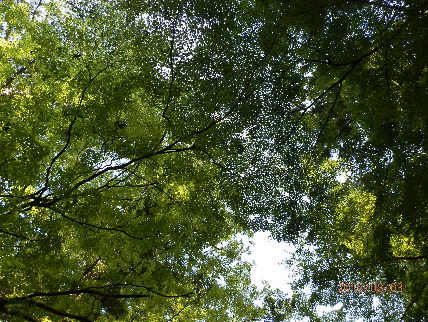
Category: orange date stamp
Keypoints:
(370, 287)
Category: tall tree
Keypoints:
(114, 118)
(138, 136)
(363, 113)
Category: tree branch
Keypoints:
(414, 300)
(60, 313)
(324, 125)
(326, 91)
(37, 197)
(93, 290)
(35, 10)
(101, 228)
(16, 235)
(168, 149)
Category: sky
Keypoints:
(268, 256)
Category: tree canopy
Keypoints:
(139, 138)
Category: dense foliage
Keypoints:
(138, 138)
(112, 200)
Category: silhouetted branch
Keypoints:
(60, 313)
(94, 290)
(414, 300)
(35, 10)
(16, 235)
(86, 225)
